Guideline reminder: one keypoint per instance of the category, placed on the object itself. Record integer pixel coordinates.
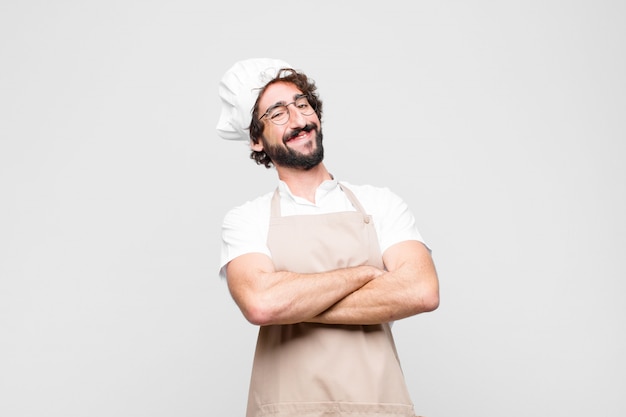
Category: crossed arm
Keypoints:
(356, 295)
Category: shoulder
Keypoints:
(373, 197)
(393, 218)
(368, 189)
(250, 210)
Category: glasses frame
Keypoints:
(286, 106)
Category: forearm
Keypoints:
(410, 287)
(295, 298)
(270, 297)
(383, 300)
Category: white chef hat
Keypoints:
(238, 90)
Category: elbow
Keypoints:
(429, 294)
(430, 301)
(261, 312)
(257, 315)
(427, 299)
(256, 307)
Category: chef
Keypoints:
(321, 265)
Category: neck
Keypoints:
(304, 183)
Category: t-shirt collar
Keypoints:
(322, 190)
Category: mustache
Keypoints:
(293, 133)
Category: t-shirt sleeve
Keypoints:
(242, 232)
(396, 220)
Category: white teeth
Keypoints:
(299, 135)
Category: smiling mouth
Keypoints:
(300, 133)
(297, 136)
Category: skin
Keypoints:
(357, 295)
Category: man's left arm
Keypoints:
(409, 287)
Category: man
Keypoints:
(323, 267)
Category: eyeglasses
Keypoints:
(279, 113)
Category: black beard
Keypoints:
(286, 157)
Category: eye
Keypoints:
(302, 103)
(277, 112)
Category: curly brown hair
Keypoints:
(284, 75)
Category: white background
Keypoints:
(501, 123)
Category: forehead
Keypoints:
(278, 92)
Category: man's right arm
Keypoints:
(266, 296)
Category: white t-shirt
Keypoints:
(245, 227)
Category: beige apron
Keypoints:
(309, 369)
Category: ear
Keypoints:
(257, 147)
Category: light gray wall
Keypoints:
(501, 123)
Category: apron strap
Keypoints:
(355, 202)
(275, 211)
